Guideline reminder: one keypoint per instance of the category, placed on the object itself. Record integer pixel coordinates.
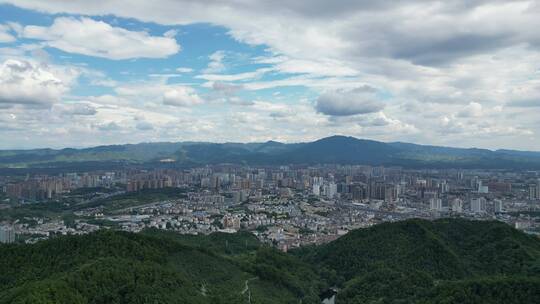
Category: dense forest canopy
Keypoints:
(414, 261)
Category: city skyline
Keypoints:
(459, 74)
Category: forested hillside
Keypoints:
(444, 261)
(414, 261)
(153, 267)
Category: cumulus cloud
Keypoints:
(435, 55)
(422, 32)
(452, 126)
(96, 38)
(361, 100)
(377, 121)
(181, 97)
(27, 83)
(473, 109)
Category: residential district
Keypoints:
(286, 206)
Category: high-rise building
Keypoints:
(390, 193)
(533, 192)
(330, 190)
(7, 235)
(435, 204)
(444, 187)
(316, 189)
(359, 192)
(377, 190)
(483, 189)
(478, 205)
(497, 186)
(497, 206)
(457, 205)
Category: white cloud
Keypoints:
(99, 39)
(28, 83)
(170, 33)
(361, 100)
(152, 95)
(431, 58)
(181, 97)
(473, 109)
(184, 70)
(76, 109)
(216, 64)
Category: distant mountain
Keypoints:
(342, 150)
(330, 150)
(416, 261)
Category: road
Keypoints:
(246, 288)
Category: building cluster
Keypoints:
(44, 187)
(290, 206)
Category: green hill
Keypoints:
(152, 267)
(428, 262)
(414, 261)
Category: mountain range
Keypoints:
(329, 150)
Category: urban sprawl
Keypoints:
(287, 206)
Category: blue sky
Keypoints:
(198, 43)
(89, 73)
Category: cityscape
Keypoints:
(286, 206)
(269, 152)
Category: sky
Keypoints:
(463, 73)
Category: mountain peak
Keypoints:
(273, 142)
(337, 139)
